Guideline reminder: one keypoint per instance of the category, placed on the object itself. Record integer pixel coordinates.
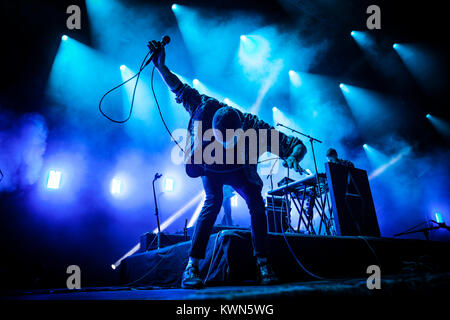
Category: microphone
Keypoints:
(165, 40)
(157, 176)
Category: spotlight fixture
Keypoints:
(54, 179)
(168, 184)
(64, 38)
(116, 185)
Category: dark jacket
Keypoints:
(202, 108)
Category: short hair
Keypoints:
(332, 153)
(226, 118)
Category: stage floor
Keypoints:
(425, 284)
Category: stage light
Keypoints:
(126, 255)
(54, 179)
(227, 101)
(195, 82)
(395, 46)
(168, 184)
(197, 211)
(382, 161)
(64, 38)
(295, 78)
(174, 6)
(352, 33)
(274, 109)
(439, 218)
(365, 146)
(243, 38)
(234, 201)
(428, 116)
(343, 87)
(122, 67)
(180, 212)
(116, 186)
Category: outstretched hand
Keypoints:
(292, 162)
(159, 59)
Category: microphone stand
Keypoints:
(426, 231)
(311, 141)
(157, 176)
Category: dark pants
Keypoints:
(213, 184)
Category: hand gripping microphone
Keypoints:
(165, 40)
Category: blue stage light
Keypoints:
(168, 184)
(195, 82)
(344, 88)
(395, 46)
(352, 33)
(365, 146)
(64, 38)
(234, 201)
(116, 185)
(295, 78)
(122, 67)
(174, 6)
(428, 116)
(439, 218)
(274, 109)
(54, 179)
(243, 38)
(227, 101)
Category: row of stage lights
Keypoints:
(54, 183)
(295, 79)
(54, 179)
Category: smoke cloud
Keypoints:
(22, 147)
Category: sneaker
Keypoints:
(266, 274)
(191, 278)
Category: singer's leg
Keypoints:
(251, 193)
(205, 222)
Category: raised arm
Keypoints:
(159, 60)
(189, 97)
